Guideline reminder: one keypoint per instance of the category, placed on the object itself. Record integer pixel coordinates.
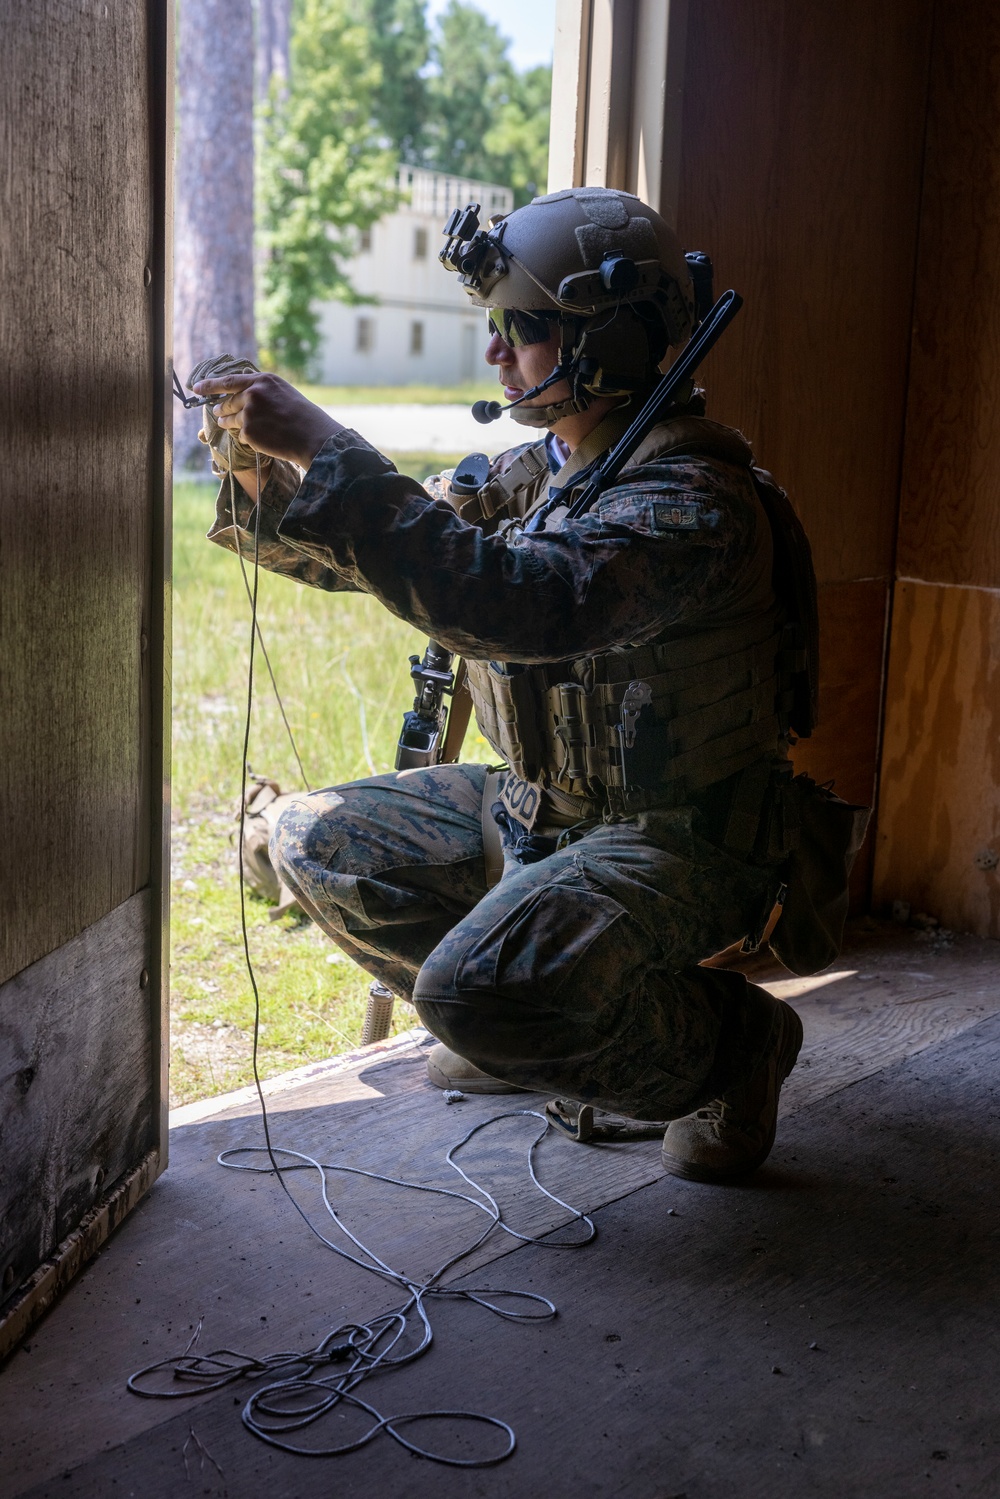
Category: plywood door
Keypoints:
(83, 140)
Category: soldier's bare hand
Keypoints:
(270, 415)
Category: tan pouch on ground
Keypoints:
(264, 804)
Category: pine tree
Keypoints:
(213, 244)
(274, 34)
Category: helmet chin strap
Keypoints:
(547, 416)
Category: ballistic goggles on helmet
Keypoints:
(520, 328)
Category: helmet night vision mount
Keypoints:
(607, 268)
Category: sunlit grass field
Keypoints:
(342, 666)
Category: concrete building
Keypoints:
(422, 330)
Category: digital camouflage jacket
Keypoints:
(678, 543)
(668, 578)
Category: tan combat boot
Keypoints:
(733, 1135)
(446, 1069)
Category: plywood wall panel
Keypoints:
(800, 174)
(950, 508)
(77, 376)
(939, 814)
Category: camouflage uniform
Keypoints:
(576, 974)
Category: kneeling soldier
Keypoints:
(630, 666)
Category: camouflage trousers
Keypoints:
(575, 975)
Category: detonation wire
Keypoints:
(253, 610)
(302, 1395)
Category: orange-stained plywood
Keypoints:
(844, 747)
(950, 509)
(800, 174)
(939, 811)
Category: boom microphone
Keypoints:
(491, 411)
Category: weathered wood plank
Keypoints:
(51, 1279)
(941, 759)
(79, 227)
(816, 225)
(76, 1084)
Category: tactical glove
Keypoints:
(228, 452)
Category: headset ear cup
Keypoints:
(616, 355)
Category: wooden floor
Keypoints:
(829, 1330)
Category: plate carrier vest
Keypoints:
(636, 727)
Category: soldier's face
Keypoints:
(519, 369)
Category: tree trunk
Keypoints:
(273, 39)
(213, 244)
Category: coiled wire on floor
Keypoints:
(301, 1387)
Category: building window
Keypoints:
(364, 335)
(365, 242)
(420, 244)
(416, 338)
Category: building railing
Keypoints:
(439, 194)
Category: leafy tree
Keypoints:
(472, 79)
(518, 139)
(400, 43)
(485, 119)
(324, 173)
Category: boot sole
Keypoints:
(791, 1044)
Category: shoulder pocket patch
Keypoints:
(677, 514)
(667, 511)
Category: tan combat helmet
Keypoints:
(599, 261)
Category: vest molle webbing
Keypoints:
(651, 725)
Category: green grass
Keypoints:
(342, 668)
(396, 395)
